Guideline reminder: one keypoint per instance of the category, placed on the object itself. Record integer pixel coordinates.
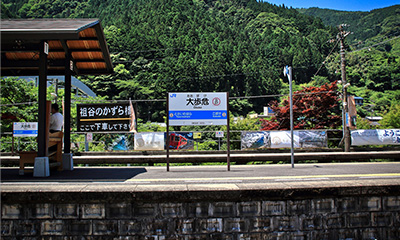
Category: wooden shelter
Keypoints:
(41, 47)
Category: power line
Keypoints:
(323, 63)
(153, 50)
(380, 38)
(374, 45)
(253, 50)
(212, 76)
(164, 100)
(17, 104)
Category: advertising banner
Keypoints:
(281, 139)
(207, 108)
(255, 140)
(149, 141)
(375, 137)
(181, 141)
(313, 139)
(120, 144)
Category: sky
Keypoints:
(344, 5)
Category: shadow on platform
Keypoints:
(114, 174)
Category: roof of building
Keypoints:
(374, 118)
(22, 39)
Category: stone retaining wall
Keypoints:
(323, 213)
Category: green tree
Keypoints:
(392, 118)
(19, 102)
(238, 47)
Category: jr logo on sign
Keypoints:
(216, 101)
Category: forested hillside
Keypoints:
(237, 46)
(373, 54)
(363, 25)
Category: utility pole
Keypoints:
(345, 113)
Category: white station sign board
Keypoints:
(198, 108)
(25, 129)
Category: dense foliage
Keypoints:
(19, 102)
(373, 57)
(160, 46)
(363, 25)
(237, 46)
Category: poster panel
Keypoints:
(313, 139)
(197, 108)
(282, 139)
(255, 140)
(149, 141)
(119, 142)
(375, 137)
(181, 140)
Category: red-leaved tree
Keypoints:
(313, 108)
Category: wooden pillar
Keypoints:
(67, 104)
(42, 117)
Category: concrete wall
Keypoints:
(303, 213)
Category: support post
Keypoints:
(67, 158)
(291, 119)
(228, 135)
(67, 104)
(287, 71)
(346, 132)
(12, 142)
(86, 143)
(167, 140)
(42, 118)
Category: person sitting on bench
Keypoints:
(56, 119)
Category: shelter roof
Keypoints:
(21, 41)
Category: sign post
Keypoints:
(287, 71)
(197, 135)
(197, 109)
(219, 135)
(167, 142)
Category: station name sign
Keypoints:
(103, 117)
(201, 108)
(25, 129)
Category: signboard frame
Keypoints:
(103, 117)
(25, 129)
(198, 110)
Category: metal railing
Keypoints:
(105, 140)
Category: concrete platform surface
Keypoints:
(206, 178)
